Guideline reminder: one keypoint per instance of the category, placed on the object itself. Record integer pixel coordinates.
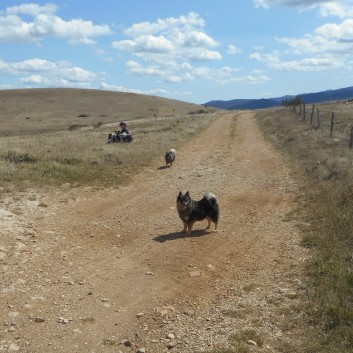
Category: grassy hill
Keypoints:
(38, 110)
(43, 139)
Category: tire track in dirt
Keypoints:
(110, 254)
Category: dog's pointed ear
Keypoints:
(187, 193)
(180, 194)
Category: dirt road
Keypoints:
(99, 270)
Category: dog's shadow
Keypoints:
(163, 167)
(178, 235)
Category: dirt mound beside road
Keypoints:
(99, 270)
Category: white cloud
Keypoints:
(205, 55)
(149, 44)
(184, 73)
(333, 39)
(195, 39)
(43, 72)
(342, 32)
(44, 23)
(181, 78)
(220, 75)
(172, 39)
(289, 3)
(232, 49)
(191, 21)
(329, 47)
(35, 79)
(273, 61)
(140, 70)
(227, 74)
(338, 8)
(103, 55)
(32, 9)
(109, 87)
(168, 48)
(157, 91)
(165, 73)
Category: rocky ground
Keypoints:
(109, 270)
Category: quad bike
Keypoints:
(119, 137)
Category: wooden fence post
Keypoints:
(304, 117)
(312, 115)
(351, 139)
(318, 118)
(332, 123)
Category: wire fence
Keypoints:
(333, 119)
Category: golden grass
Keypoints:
(30, 111)
(323, 165)
(83, 156)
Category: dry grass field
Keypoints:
(324, 166)
(46, 140)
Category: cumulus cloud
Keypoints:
(328, 39)
(289, 3)
(335, 9)
(189, 22)
(341, 32)
(44, 72)
(232, 49)
(166, 73)
(31, 9)
(168, 48)
(176, 38)
(275, 62)
(43, 22)
(222, 75)
(338, 8)
(329, 47)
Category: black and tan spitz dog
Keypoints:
(191, 211)
(170, 157)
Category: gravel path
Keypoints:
(108, 270)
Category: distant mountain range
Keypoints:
(309, 98)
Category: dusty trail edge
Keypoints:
(109, 270)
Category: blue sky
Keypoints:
(190, 50)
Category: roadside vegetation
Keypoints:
(83, 156)
(322, 165)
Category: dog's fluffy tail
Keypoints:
(172, 150)
(210, 197)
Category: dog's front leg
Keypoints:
(185, 226)
(191, 224)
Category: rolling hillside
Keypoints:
(39, 110)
